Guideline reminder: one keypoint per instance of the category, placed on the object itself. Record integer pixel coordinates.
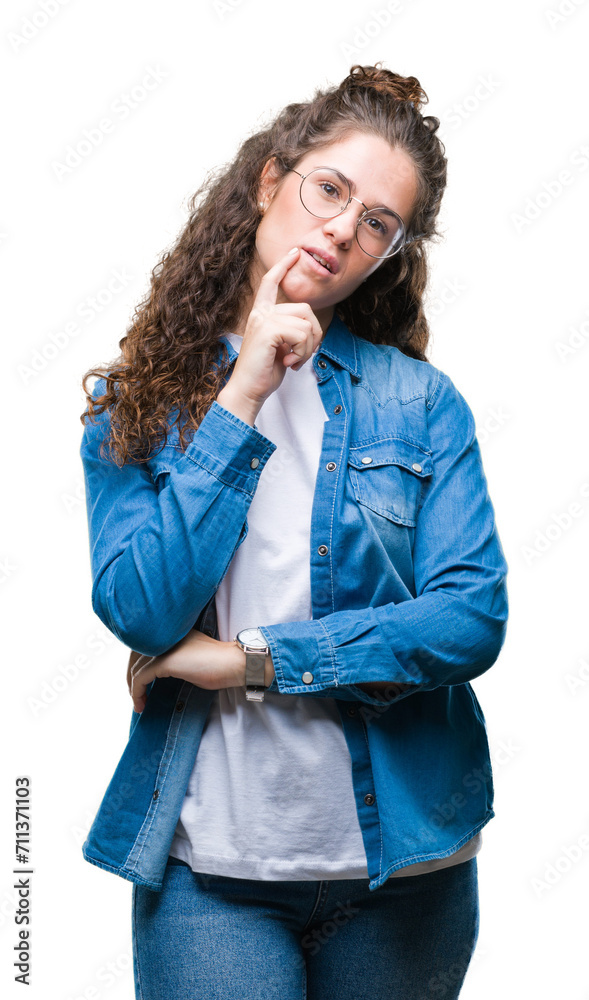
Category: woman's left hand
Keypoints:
(198, 658)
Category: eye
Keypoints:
(330, 190)
(376, 224)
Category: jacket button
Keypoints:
(180, 705)
(254, 463)
(369, 799)
(351, 711)
(331, 466)
(416, 466)
(156, 794)
(337, 409)
(323, 550)
(322, 363)
(307, 677)
(367, 460)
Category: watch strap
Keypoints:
(254, 676)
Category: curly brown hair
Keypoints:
(171, 358)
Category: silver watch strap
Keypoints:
(254, 676)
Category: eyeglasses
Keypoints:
(326, 193)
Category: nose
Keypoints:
(342, 227)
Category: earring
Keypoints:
(261, 206)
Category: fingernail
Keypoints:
(294, 250)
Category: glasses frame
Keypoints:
(406, 239)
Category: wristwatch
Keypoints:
(256, 650)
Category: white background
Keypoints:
(508, 290)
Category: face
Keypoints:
(381, 176)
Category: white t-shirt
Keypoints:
(270, 795)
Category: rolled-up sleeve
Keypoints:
(454, 627)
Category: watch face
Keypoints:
(252, 637)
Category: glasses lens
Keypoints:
(380, 232)
(325, 192)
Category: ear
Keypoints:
(269, 178)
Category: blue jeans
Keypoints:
(221, 938)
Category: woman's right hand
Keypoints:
(277, 336)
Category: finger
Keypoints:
(304, 311)
(133, 657)
(136, 660)
(296, 365)
(142, 674)
(297, 343)
(268, 288)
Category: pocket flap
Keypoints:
(391, 451)
(387, 475)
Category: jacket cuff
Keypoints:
(307, 650)
(243, 454)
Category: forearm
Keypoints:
(162, 537)
(416, 645)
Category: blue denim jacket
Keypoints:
(408, 587)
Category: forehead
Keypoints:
(378, 173)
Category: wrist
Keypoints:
(269, 672)
(237, 667)
(238, 404)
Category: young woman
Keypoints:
(290, 529)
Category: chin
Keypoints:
(301, 289)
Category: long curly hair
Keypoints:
(171, 359)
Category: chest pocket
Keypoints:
(388, 475)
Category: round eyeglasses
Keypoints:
(325, 193)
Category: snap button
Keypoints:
(307, 677)
(369, 799)
(323, 550)
(351, 711)
(322, 363)
(254, 463)
(156, 794)
(367, 460)
(331, 466)
(337, 409)
(179, 706)
(416, 466)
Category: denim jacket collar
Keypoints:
(338, 343)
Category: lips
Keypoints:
(331, 260)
